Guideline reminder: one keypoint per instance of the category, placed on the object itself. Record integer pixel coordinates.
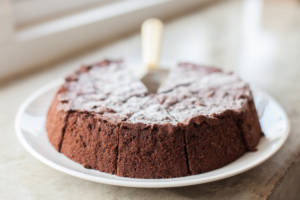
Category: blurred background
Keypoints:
(44, 40)
(248, 34)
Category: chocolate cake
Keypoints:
(200, 119)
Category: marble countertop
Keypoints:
(257, 39)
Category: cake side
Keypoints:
(56, 120)
(91, 141)
(151, 151)
(249, 125)
(213, 143)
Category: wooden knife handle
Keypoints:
(151, 42)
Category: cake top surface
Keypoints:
(109, 90)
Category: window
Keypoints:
(34, 11)
(35, 32)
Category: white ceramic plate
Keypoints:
(30, 127)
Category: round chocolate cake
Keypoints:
(200, 119)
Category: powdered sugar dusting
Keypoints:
(112, 92)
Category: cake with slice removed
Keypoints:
(200, 119)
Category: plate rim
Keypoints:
(141, 183)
